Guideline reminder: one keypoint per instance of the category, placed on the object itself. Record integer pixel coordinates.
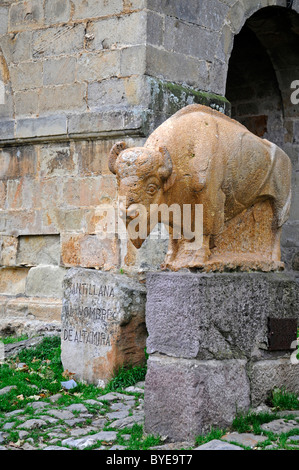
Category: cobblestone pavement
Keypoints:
(106, 424)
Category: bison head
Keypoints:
(143, 176)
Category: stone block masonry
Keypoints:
(81, 75)
(211, 354)
(69, 60)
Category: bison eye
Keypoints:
(151, 189)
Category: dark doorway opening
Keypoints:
(263, 66)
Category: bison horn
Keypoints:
(114, 152)
(166, 169)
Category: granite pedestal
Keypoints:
(218, 344)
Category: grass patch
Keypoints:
(213, 434)
(42, 373)
(251, 422)
(13, 339)
(137, 441)
(281, 399)
(39, 376)
(126, 377)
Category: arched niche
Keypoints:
(263, 65)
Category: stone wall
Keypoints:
(79, 76)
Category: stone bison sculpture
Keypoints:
(201, 157)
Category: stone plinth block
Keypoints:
(217, 316)
(218, 344)
(103, 324)
(265, 376)
(185, 398)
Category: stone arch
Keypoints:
(263, 63)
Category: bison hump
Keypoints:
(200, 108)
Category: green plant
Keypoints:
(251, 422)
(215, 433)
(13, 339)
(137, 441)
(42, 373)
(283, 400)
(126, 377)
(39, 376)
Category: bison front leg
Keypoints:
(182, 254)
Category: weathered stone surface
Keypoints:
(13, 280)
(88, 192)
(30, 316)
(89, 440)
(218, 316)
(62, 414)
(63, 97)
(118, 414)
(296, 262)
(103, 324)
(8, 250)
(245, 439)
(26, 103)
(90, 251)
(25, 15)
(45, 281)
(129, 421)
(112, 31)
(32, 424)
(117, 92)
(41, 127)
(279, 426)
(44, 43)
(184, 398)
(59, 71)
(48, 50)
(96, 8)
(26, 75)
(3, 19)
(57, 160)
(13, 349)
(99, 66)
(18, 162)
(57, 11)
(265, 376)
(218, 445)
(56, 448)
(38, 249)
(7, 389)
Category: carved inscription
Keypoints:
(83, 336)
(82, 288)
(94, 313)
(90, 305)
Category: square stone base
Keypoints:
(185, 398)
(210, 347)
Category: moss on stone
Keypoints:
(169, 97)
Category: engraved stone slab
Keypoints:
(103, 324)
